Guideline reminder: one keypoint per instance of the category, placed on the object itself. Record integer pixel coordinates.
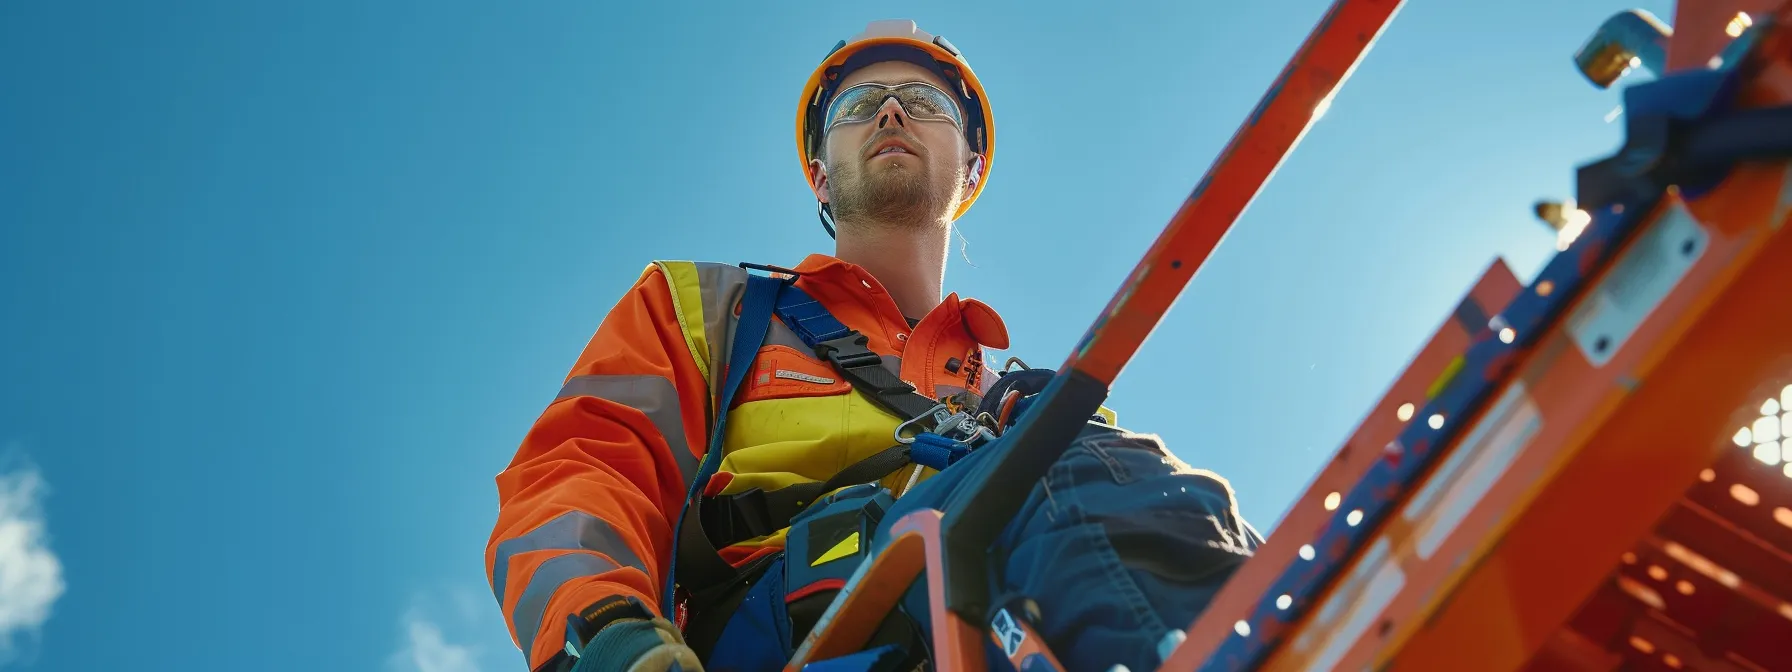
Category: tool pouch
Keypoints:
(826, 543)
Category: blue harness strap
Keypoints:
(749, 333)
(808, 318)
(845, 349)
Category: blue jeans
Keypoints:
(1119, 544)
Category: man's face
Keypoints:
(919, 182)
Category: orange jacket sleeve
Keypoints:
(586, 508)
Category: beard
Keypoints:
(891, 194)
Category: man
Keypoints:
(619, 546)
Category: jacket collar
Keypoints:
(833, 281)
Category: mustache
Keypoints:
(898, 133)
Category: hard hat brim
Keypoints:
(972, 88)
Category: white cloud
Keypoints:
(30, 574)
(427, 651)
(441, 633)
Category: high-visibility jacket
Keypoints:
(588, 505)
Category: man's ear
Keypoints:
(818, 179)
(974, 172)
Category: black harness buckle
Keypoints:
(848, 352)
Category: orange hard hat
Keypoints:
(898, 39)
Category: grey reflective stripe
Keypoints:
(573, 530)
(893, 364)
(548, 578)
(722, 287)
(653, 396)
(779, 334)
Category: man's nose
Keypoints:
(891, 112)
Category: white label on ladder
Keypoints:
(1478, 462)
(1638, 281)
(1008, 632)
(1359, 599)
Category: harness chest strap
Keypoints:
(723, 520)
(728, 519)
(845, 349)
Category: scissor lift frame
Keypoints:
(1552, 448)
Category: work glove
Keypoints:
(638, 645)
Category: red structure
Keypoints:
(1592, 472)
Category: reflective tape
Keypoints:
(653, 396)
(548, 578)
(570, 531)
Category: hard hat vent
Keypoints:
(941, 42)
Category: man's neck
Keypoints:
(909, 262)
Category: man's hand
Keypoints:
(636, 645)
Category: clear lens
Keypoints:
(926, 102)
(921, 101)
(856, 104)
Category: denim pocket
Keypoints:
(1165, 537)
(1139, 486)
(1175, 547)
(1094, 614)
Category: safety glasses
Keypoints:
(922, 101)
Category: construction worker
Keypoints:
(633, 534)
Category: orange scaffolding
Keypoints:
(1591, 472)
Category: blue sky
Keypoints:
(282, 286)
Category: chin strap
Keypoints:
(827, 218)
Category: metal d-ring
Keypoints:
(1009, 365)
(939, 414)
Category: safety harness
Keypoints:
(830, 522)
(727, 519)
(705, 580)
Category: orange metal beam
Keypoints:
(1573, 399)
(1309, 514)
(1323, 62)
(1630, 471)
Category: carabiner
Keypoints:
(939, 414)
